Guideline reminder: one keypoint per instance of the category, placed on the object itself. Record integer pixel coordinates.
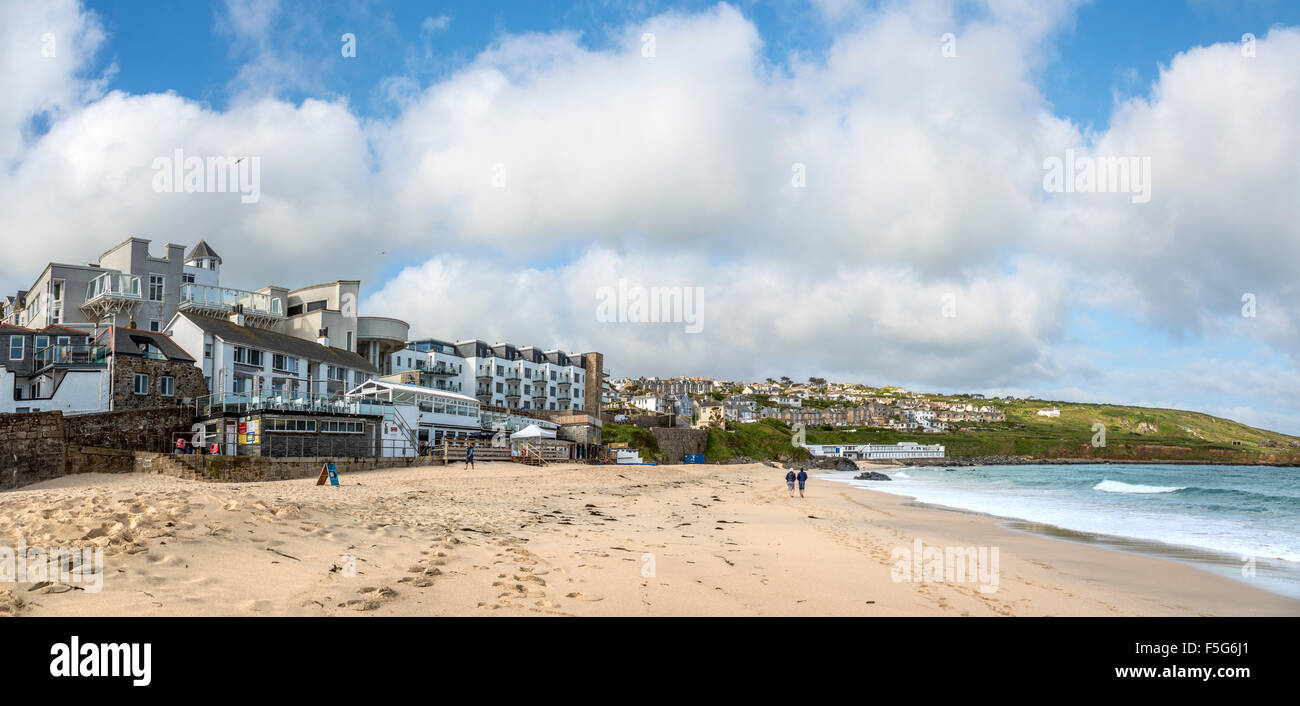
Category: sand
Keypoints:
(507, 539)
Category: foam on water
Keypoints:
(1114, 486)
(1234, 511)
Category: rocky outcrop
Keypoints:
(872, 475)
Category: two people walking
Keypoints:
(790, 479)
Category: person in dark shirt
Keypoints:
(803, 476)
(469, 456)
(789, 482)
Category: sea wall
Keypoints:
(247, 469)
(675, 443)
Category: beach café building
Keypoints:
(419, 418)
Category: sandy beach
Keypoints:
(508, 539)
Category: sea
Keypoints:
(1239, 521)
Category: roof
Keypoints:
(64, 331)
(279, 342)
(417, 389)
(203, 250)
(130, 341)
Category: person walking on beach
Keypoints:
(803, 476)
(469, 456)
(789, 482)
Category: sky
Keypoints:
(860, 191)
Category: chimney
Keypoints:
(237, 315)
(323, 336)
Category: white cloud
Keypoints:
(923, 178)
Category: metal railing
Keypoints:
(225, 299)
(273, 401)
(291, 445)
(71, 354)
(112, 284)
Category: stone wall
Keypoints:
(247, 469)
(32, 448)
(675, 443)
(131, 429)
(189, 382)
(37, 446)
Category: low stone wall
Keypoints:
(130, 429)
(676, 443)
(88, 459)
(248, 469)
(32, 448)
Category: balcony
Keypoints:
(443, 370)
(279, 401)
(70, 356)
(112, 293)
(388, 334)
(484, 374)
(515, 375)
(221, 302)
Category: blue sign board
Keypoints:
(334, 474)
(695, 458)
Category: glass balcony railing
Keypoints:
(281, 401)
(70, 354)
(113, 285)
(514, 375)
(225, 299)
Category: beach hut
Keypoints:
(532, 432)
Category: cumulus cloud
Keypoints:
(829, 207)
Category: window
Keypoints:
(295, 310)
(289, 364)
(155, 325)
(349, 338)
(499, 387)
(316, 305)
(339, 374)
(141, 384)
(500, 371)
(292, 425)
(166, 386)
(212, 264)
(187, 278)
(207, 350)
(16, 344)
(42, 342)
(156, 283)
(249, 356)
(341, 427)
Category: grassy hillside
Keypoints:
(1131, 433)
(768, 439)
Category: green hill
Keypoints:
(1132, 433)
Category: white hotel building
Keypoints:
(503, 375)
(903, 449)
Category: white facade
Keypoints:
(422, 416)
(903, 449)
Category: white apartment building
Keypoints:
(503, 375)
(903, 449)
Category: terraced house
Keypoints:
(69, 370)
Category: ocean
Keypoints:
(1221, 518)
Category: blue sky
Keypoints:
(1068, 298)
(1113, 47)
